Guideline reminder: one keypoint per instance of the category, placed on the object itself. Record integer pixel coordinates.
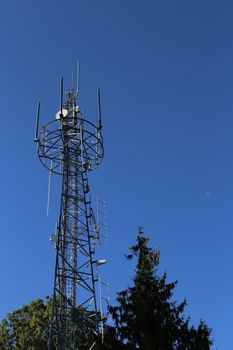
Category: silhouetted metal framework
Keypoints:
(72, 146)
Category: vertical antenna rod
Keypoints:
(72, 79)
(99, 110)
(61, 97)
(37, 122)
(78, 68)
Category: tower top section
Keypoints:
(69, 130)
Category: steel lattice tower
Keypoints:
(72, 146)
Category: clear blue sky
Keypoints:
(165, 69)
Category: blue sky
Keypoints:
(165, 72)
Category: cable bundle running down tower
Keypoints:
(72, 146)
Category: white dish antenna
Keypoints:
(64, 114)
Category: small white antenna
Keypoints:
(54, 236)
(49, 187)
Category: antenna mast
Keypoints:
(72, 147)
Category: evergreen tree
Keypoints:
(146, 318)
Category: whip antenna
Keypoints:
(72, 79)
(99, 110)
(37, 122)
(61, 97)
(78, 67)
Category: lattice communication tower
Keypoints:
(72, 146)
